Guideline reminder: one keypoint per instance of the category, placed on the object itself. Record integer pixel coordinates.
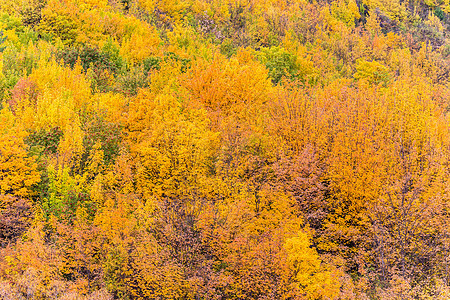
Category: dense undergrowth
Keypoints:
(218, 149)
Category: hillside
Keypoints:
(218, 149)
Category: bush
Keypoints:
(100, 64)
(280, 63)
(373, 71)
(89, 57)
(31, 12)
(45, 141)
(15, 217)
(109, 136)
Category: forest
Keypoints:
(225, 149)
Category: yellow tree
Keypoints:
(312, 279)
(17, 170)
(171, 144)
(62, 98)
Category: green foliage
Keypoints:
(44, 142)
(58, 26)
(31, 12)
(64, 197)
(130, 82)
(2, 40)
(227, 48)
(438, 12)
(89, 57)
(152, 63)
(112, 52)
(20, 34)
(10, 22)
(99, 64)
(171, 57)
(97, 130)
(280, 63)
(11, 73)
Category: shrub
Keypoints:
(280, 63)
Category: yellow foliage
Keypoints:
(17, 171)
(394, 9)
(111, 106)
(92, 4)
(236, 88)
(212, 180)
(59, 21)
(185, 42)
(172, 9)
(140, 44)
(401, 60)
(373, 71)
(433, 21)
(373, 24)
(171, 145)
(312, 278)
(63, 95)
(346, 11)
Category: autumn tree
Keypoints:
(17, 171)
